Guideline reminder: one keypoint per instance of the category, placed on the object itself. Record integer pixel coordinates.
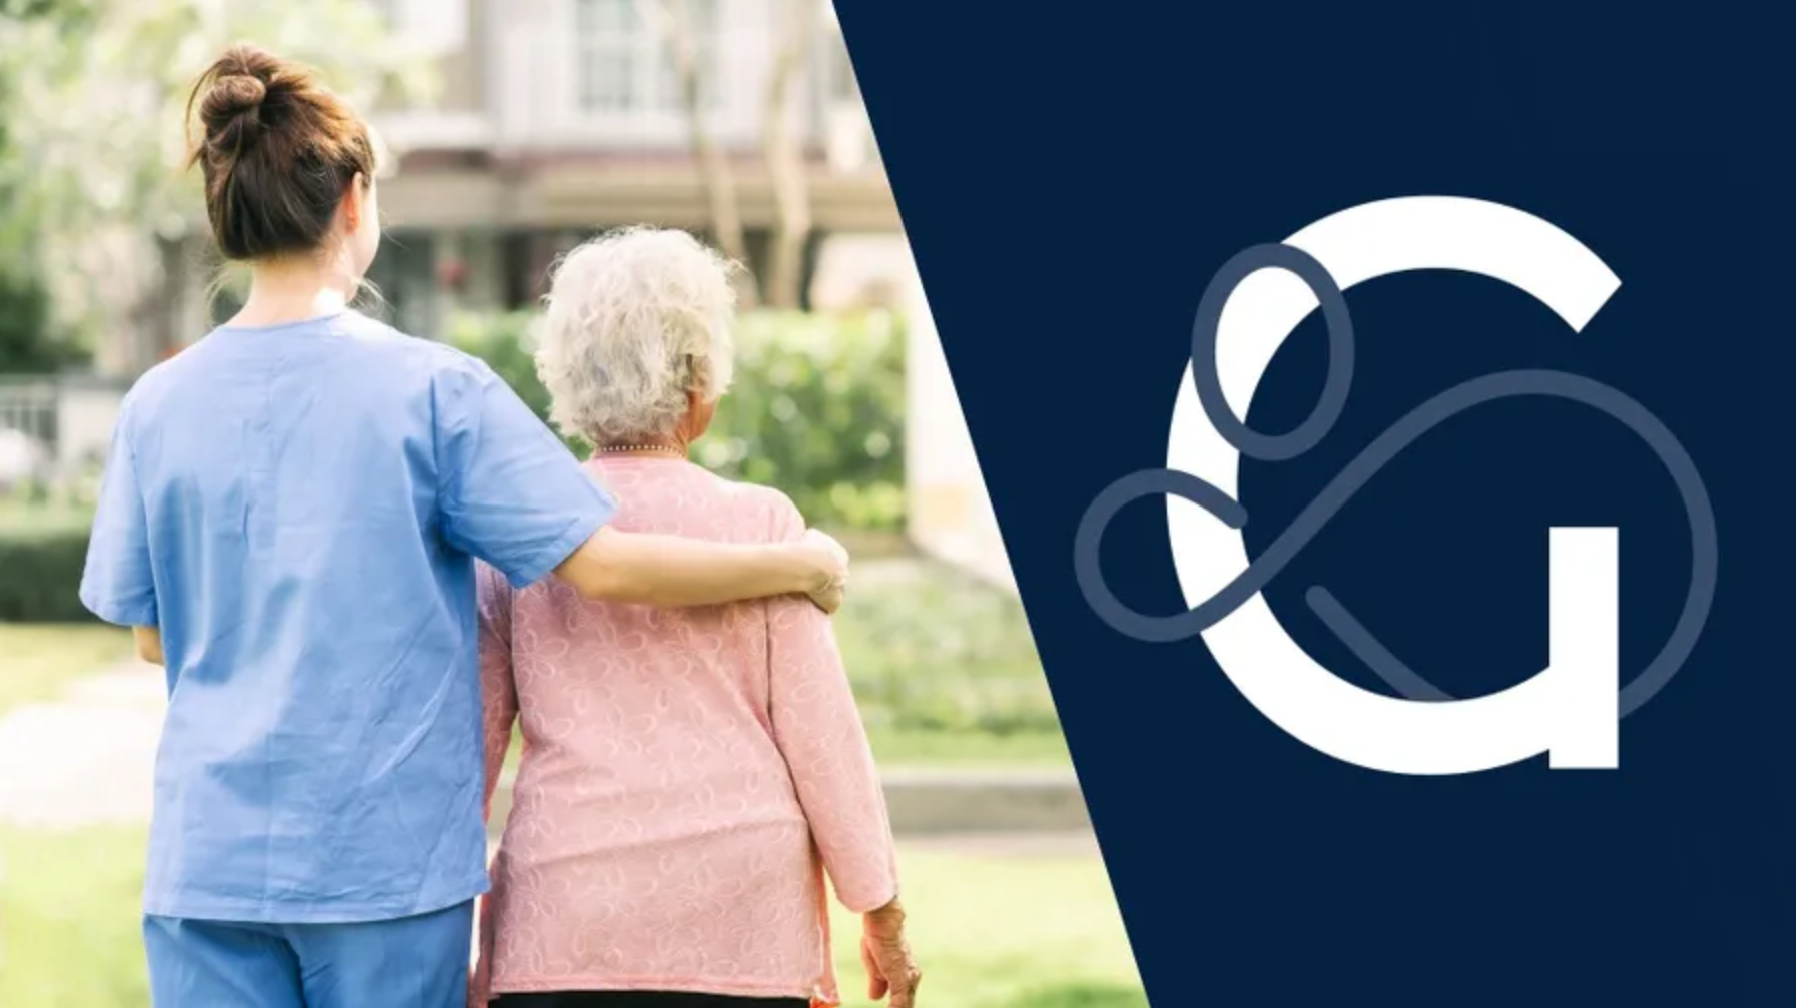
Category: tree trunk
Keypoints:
(675, 26)
(781, 152)
(149, 309)
(167, 293)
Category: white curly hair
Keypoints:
(636, 319)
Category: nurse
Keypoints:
(290, 520)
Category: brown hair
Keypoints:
(277, 151)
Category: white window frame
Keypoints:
(653, 99)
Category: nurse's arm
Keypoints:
(671, 572)
(149, 643)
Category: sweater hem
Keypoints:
(681, 985)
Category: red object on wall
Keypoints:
(453, 274)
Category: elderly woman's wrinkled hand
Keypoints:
(832, 560)
(886, 955)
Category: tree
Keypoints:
(96, 91)
(26, 343)
(672, 20)
(782, 152)
(783, 155)
(29, 342)
(26, 10)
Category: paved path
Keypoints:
(87, 758)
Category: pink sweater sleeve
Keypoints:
(819, 732)
(499, 704)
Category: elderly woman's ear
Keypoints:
(699, 413)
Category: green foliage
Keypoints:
(933, 652)
(818, 411)
(22, 10)
(817, 407)
(40, 571)
(503, 341)
(93, 98)
(27, 345)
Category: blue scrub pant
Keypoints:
(416, 962)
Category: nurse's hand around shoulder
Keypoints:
(669, 571)
(832, 559)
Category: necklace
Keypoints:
(653, 448)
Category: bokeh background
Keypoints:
(512, 131)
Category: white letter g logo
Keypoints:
(1570, 710)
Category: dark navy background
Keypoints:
(1070, 178)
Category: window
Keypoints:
(606, 31)
(624, 63)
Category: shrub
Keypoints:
(929, 649)
(817, 408)
(26, 343)
(502, 340)
(41, 559)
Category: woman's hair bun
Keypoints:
(235, 95)
(277, 151)
(231, 111)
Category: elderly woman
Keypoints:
(687, 775)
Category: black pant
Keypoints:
(641, 999)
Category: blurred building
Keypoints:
(557, 119)
(561, 118)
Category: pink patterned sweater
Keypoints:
(687, 775)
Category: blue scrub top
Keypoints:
(299, 508)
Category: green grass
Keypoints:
(18, 515)
(38, 662)
(69, 919)
(990, 931)
(1005, 932)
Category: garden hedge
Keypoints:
(40, 574)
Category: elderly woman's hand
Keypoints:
(832, 562)
(887, 957)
